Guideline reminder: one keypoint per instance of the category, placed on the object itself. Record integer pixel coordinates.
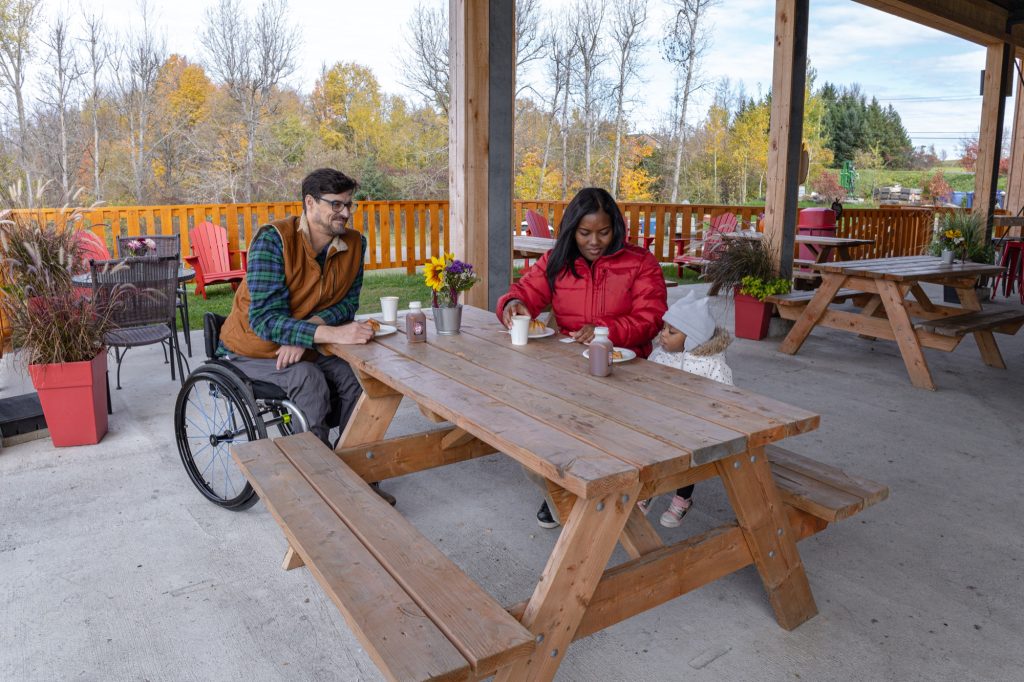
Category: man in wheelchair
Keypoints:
(302, 288)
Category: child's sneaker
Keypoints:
(673, 516)
(644, 506)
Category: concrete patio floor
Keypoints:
(113, 567)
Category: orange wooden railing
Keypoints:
(404, 234)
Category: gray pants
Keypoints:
(326, 390)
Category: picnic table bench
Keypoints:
(601, 444)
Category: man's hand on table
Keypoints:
(351, 333)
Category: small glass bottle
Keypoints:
(416, 323)
(600, 353)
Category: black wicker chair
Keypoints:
(142, 294)
(166, 245)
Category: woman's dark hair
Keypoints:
(326, 181)
(588, 200)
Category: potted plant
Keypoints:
(447, 278)
(960, 235)
(57, 334)
(745, 266)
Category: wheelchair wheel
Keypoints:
(213, 411)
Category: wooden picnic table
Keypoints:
(531, 247)
(601, 444)
(890, 292)
(821, 247)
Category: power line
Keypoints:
(926, 99)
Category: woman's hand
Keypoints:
(584, 334)
(289, 355)
(513, 307)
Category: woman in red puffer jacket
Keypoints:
(593, 278)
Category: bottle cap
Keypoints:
(415, 305)
(601, 331)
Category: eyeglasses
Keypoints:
(336, 206)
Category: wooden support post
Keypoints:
(1015, 182)
(480, 123)
(789, 75)
(998, 62)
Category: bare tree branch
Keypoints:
(627, 34)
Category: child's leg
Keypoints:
(681, 504)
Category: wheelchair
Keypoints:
(217, 406)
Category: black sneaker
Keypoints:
(389, 498)
(544, 517)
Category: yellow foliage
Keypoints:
(529, 177)
(348, 106)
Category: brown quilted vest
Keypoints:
(311, 289)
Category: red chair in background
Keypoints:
(709, 245)
(92, 247)
(211, 257)
(536, 226)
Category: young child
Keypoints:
(690, 341)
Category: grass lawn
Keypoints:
(376, 283)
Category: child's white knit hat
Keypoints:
(691, 316)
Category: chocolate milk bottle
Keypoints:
(416, 323)
(601, 353)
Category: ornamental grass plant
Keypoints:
(51, 321)
(739, 259)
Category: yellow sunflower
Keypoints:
(433, 273)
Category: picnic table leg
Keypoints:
(906, 338)
(372, 414)
(812, 313)
(568, 581)
(772, 543)
(989, 350)
(639, 537)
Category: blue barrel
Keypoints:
(959, 198)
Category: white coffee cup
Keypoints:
(520, 329)
(389, 308)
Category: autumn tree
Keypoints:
(18, 21)
(60, 82)
(686, 40)
(629, 18)
(98, 52)
(250, 56)
(585, 26)
(136, 69)
(184, 93)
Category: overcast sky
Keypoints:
(931, 78)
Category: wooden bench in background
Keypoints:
(416, 613)
(791, 305)
(981, 324)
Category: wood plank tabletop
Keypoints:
(904, 268)
(539, 401)
(532, 245)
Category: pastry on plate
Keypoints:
(616, 355)
(374, 324)
(537, 327)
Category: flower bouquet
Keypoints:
(140, 247)
(447, 278)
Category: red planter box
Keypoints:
(752, 317)
(74, 400)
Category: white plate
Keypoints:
(627, 354)
(384, 330)
(548, 331)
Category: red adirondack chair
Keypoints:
(536, 226)
(709, 245)
(92, 247)
(211, 257)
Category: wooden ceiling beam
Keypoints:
(979, 21)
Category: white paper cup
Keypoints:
(520, 329)
(389, 308)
